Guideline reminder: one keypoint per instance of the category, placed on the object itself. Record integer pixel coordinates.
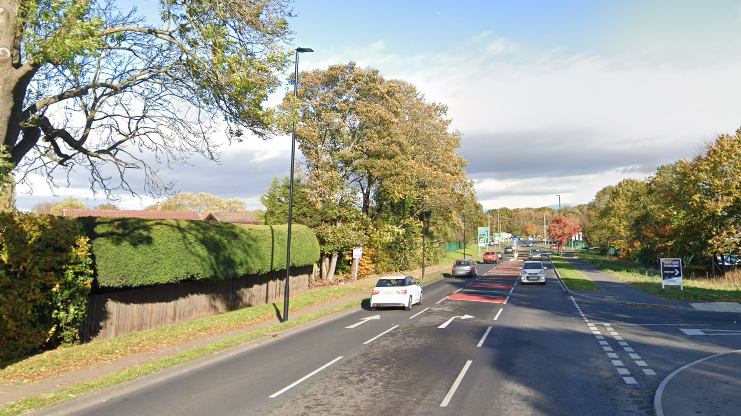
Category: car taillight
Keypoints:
(402, 292)
(469, 267)
(375, 292)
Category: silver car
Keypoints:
(533, 272)
(465, 267)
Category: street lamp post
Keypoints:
(287, 292)
(559, 203)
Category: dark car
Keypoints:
(528, 243)
(491, 257)
(464, 267)
(510, 249)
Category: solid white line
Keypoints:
(458, 290)
(455, 385)
(512, 290)
(486, 334)
(419, 313)
(659, 391)
(498, 313)
(305, 377)
(441, 300)
(505, 301)
(380, 335)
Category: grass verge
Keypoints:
(723, 289)
(572, 278)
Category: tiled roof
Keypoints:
(153, 215)
(233, 217)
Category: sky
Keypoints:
(551, 97)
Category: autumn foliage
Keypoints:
(562, 228)
(45, 277)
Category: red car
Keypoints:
(554, 247)
(491, 257)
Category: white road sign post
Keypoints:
(671, 273)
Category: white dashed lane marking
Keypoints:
(624, 348)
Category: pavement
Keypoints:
(709, 386)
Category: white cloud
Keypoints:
(377, 46)
(496, 47)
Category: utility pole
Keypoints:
(464, 235)
(545, 230)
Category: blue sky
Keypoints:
(551, 97)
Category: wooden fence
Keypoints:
(119, 313)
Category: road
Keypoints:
(476, 346)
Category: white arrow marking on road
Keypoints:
(364, 320)
(451, 320)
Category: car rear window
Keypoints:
(462, 262)
(390, 282)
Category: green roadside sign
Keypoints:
(483, 236)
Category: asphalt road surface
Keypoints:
(474, 347)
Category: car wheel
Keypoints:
(421, 295)
(409, 305)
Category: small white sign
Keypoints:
(357, 253)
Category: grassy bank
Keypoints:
(721, 289)
(572, 278)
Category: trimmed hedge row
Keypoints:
(135, 252)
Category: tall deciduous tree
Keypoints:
(562, 228)
(627, 202)
(84, 84)
(699, 201)
(68, 203)
(376, 153)
(203, 203)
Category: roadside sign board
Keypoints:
(671, 272)
(357, 253)
(483, 236)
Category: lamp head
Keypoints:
(299, 50)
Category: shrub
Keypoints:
(135, 252)
(45, 277)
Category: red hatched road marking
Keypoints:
(493, 285)
(494, 277)
(477, 298)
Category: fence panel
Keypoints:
(119, 313)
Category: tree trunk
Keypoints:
(355, 264)
(325, 266)
(14, 80)
(332, 267)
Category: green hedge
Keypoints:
(135, 252)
